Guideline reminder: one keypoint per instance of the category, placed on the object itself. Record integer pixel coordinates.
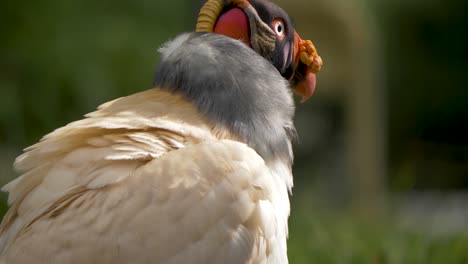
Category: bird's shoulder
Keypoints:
(100, 150)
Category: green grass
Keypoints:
(322, 236)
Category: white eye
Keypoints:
(280, 29)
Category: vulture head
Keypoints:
(268, 30)
(240, 68)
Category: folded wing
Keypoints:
(123, 187)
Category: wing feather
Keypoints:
(129, 187)
(99, 150)
(192, 205)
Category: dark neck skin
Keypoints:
(234, 86)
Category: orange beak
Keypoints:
(307, 64)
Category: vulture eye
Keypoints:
(278, 26)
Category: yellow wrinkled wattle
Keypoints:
(208, 15)
(309, 56)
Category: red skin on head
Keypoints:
(234, 24)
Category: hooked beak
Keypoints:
(307, 63)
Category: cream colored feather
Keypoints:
(145, 179)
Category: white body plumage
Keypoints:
(146, 179)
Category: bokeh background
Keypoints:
(381, 172)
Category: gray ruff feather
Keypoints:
(233, 85)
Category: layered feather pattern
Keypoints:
(148, 178)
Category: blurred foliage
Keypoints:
(427, 65)
(60, 59)
(319, 235)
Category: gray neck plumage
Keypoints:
(234, 86)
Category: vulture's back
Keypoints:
(145, 179)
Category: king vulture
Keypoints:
(195, 170)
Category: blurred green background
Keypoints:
(381, 172)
